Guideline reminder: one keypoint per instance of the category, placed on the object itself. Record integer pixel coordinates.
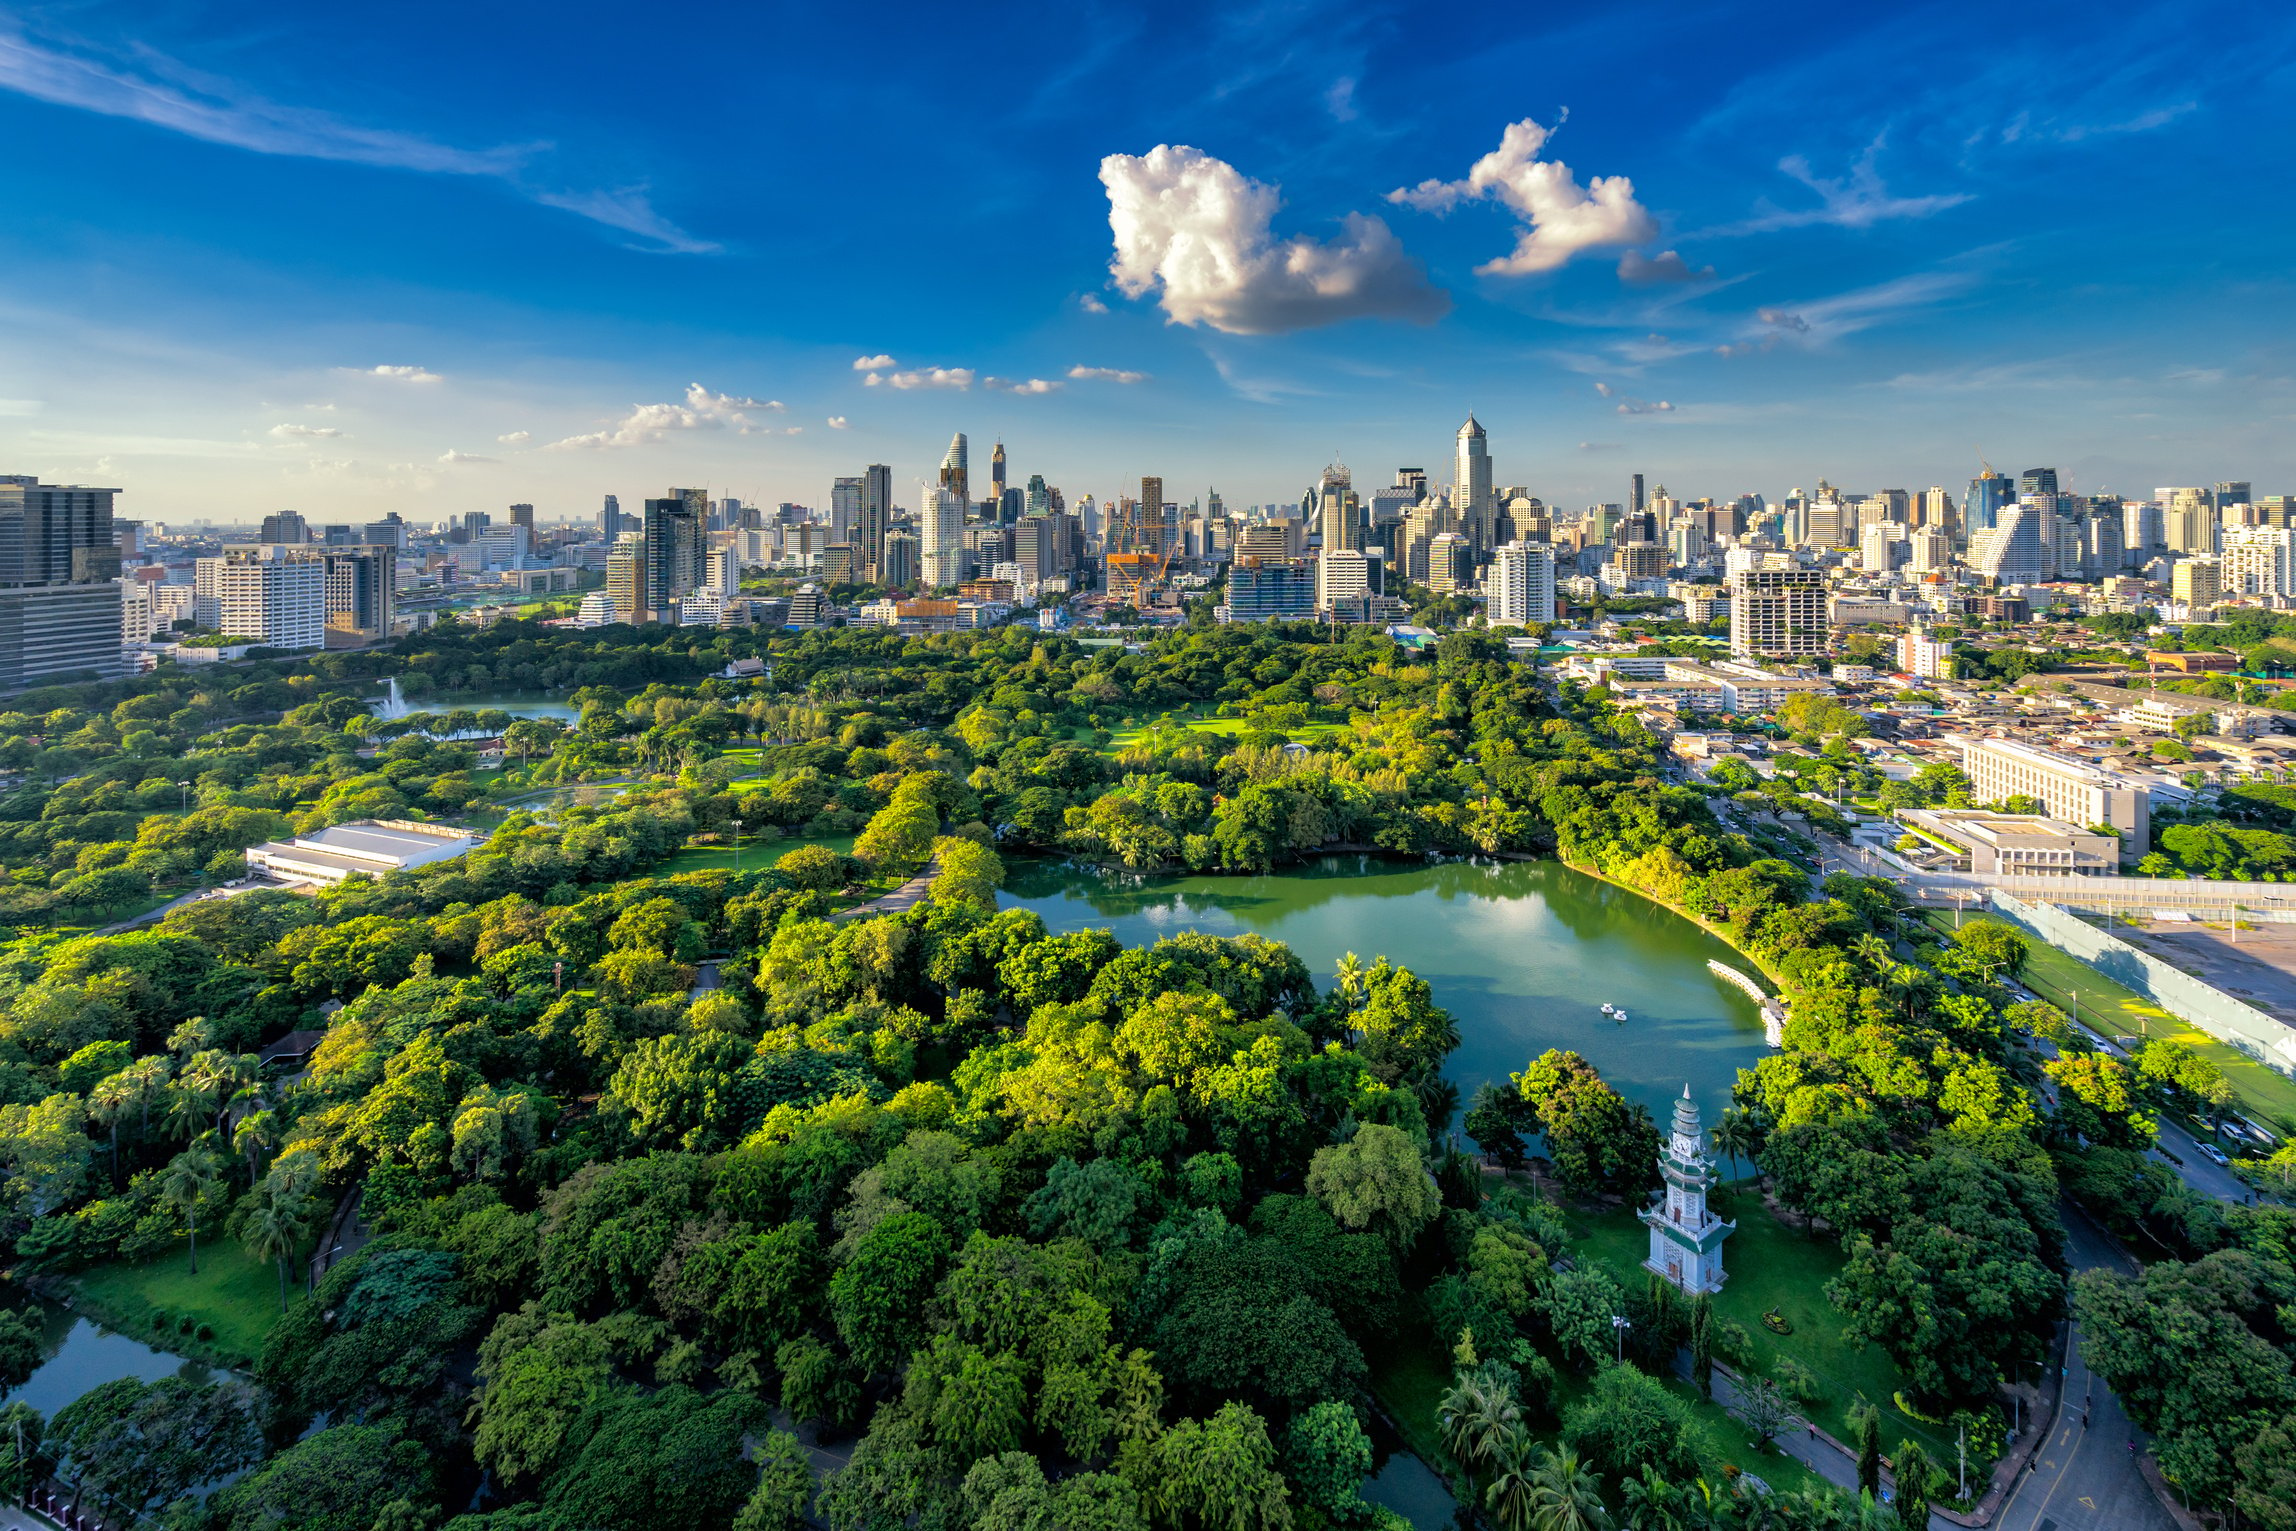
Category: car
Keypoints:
(2214, 1154)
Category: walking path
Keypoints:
(902, 899)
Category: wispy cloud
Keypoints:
(878, 363)
(1016, 385)
(289, 431)
(1829, 319)
(1629, 405)
(1641, 270)
(453, 456)
(839, 423)
(1106, 375)
(1858, 200)
(923, 377)
(1091, 304)
(702, 410)
(167, 94)
(515, 438)
(395, 374)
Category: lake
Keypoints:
(391, 704)
(1524, 953)
(81, 1354)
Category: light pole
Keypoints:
(182, 797)
(737, 845)
(1619, 1325)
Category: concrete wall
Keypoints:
(2211, 1009)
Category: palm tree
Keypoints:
(112, 1098)
(1511, 1496)
(1349, 977)
(1734, 1135)
(1650, 1503)
(186, 1179)
(277, 1227)
(1564, 1496)
(224, 1076)
(150, 1077)
(188, 1108)
(256, 1131)
(1477, 1415)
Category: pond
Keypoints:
(1523, 953)
(518, 704)
(81, 1354)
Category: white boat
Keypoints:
(1608, 1008)
(1618, 1016)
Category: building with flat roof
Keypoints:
(2017, 844)
(2072, 791)
(369, 847)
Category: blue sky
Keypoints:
(439, 258)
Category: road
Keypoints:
(2086, 1478)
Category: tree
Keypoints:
(189, 1176)
(1220, 1473)
(1762, 1408)
(143, 1444)
(784, 1486)
(1865, 1425)
(274, 1227)
(1095, 1201)
(1913, 1472)
(1401, 1031)
(343, 1478)
(1627, 1422)
(1597, 1141)
(878, 1299)
(20, 1350)
(1565, 1496)
(1477, 1415)
(1327, 1456)
(1376, 1181)
(1736, 1135)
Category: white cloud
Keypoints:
(1562, 219)
(452, 456)
(1629, 405)
(924, 377)
(166, 94)
(840, 423)
(1858, 200)
(1665, 266)
(288, 431)
(516, 438)
(1198, 232)
(877, 363)
(396, 374)
(1106, 375)
(1032, 385)
(645, 423)
(1091, 304)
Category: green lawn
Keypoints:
(756, 855)
(234, 1293)
(1125, 738)
(1774, 1264)
(2069, 983)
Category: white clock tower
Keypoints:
(1685, 1238)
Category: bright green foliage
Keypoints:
(878, 1299)
(1375, 1181)
(343, 1479)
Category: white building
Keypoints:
(2013, 552)
(941, 537)
(279, 603)
(1520, 587)
(1685, 1236)
(597, 610)
(1924, 657)
(1779, 611)
(1341, 574)
(2258, 560)
(368, 848)
(2068, 789)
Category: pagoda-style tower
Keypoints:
(1685, 1238)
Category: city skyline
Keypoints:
(254, 273)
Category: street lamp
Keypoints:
(737, 845)
(182, 796)
(1619, 1325)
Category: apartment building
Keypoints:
(2070, 790)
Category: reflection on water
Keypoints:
(1524, 953)
(81, 1355)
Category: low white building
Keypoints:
(2017, 844)
(370, 847)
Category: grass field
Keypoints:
(1125, 738)
(2073, 986)
(756, 855)
(235, 1294)
(1773, 1264)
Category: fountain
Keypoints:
(394, 705)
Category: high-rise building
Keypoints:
(2196, 584)
(626, 577)
(2233, 492)
(723, 572)
(1931, 550)
(1934, 507)
(2259, 560)
(362, 595)
(1778, 612)
(1634, 495)
(1924, 657)
(1519, 589)
(1990, 493)
(390, 532)
(279, 602)
(956, 471)
(674, 542)
(1037, 499)
(1339, 515)
(2188, 518)
(522, 515)
(284, 526)
(1269, 588)
(875, 516)
(899, 561)
(2142, 530)
(941, 533)
(610, 519)
(2014, 552)
(2037, 481)
(1450, 564)
(60, 599)
(1472, 494)
(997, 472)
(1879, 548)
(1341, 574)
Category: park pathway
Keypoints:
(902, 899)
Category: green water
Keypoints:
(1524, 953)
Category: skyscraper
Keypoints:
(997, 472)
(844, 508)
(941, 534)
(1778, 611)
(284, 526)
(1520, 587)
(2037, 481)
(362, 595)
(1339, 515)
(956, 471)
(1989, 494)
(1634, 496)
(1151, 535)
(60, 599)
(522, 515)
(2016, 551)
(1472, 494)
(610, 519)
(674, 544)
(876, 515)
